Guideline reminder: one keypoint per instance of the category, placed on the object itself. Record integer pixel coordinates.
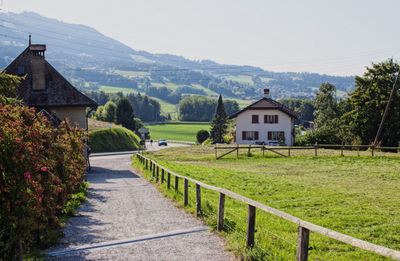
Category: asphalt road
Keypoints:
(126, 218)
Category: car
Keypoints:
(162, 142)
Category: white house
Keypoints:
(265, 121)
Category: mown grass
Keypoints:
(355, 195)
(181, 131)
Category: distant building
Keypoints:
(47, 90)
(265, 121)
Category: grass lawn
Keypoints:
(354, 195)
(182, 131)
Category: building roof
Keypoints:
(267, 104)
(56, 90)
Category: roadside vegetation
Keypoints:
(113, 139)
(355, 195)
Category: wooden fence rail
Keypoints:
(304, 227)
(289, 149)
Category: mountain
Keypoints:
(92, 60)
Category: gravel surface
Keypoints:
(126, 218)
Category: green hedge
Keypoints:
(113, 139)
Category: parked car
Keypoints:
(162, 142)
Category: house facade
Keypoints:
(46, 89)
(265, 121)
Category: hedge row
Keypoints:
(40, 168)
(113, 139)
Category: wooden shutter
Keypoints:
(270, 135)
(243, 135)
(256, 135)
(254, 118)
(276, 119)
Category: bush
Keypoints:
(202, 135)
(41, 167)
(113, 139)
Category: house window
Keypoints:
(271, 119)
(254, 118)
(249, 135)
(21, 70)
(276, 135)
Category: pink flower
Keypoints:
(27, 175)
(44, 169)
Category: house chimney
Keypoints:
(266, 93)
(30, 40)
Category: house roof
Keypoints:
(57, 92)
(267, 104)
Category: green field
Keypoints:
(181, 131)
(246, 79)
(354, 195)
(132, 74)
(114, 89)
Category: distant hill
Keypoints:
(93, 61)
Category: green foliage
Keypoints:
(201, 108)
(219, 124)
(340, 193)
(113, 139)
(368, 103)
(305, 107)
(37, 179)
(110, 110)
(202, 135)
(8, 88)
(124, 114)
(325, 105)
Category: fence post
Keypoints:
(288, 151)
(147, 164)
(372, 150)
(162, 175)
(157, 169)
(186, 192)
(221, 208)
(248, 152)
(215, 148)
(176, 183)
(341, 151)
(198, 200)
(237, 150)
(316, 149)
(168, 180)
(302, 244)
(151, 165)
(263, 149)
(251, 222)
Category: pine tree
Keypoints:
(219, 124)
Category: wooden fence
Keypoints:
(304, 227)
(286, 151)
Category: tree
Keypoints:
(219, 124)
(124, 114)
(8, 88)
(368, 102)
(202, 136)
(109, 111)
(325, 106)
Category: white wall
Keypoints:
(243, 123)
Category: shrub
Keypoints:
(202, 135)
(113, 139)
(41, 167)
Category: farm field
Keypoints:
(182, 131)
(354, 195)
(114, 89)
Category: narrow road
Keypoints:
(126, 218)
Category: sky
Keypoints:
(337, 37)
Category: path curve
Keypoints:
(126, 218)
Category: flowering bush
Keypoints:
(40, 167)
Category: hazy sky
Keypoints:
(327, 36)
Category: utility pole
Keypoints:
(386, 110)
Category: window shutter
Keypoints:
(270, 135)
(256, 135)
(243, 135)
(276, 119)
(265, 118)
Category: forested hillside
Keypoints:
(93, 61)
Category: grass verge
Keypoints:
(353, 195)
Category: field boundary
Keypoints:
(304, 227)
(316, 147)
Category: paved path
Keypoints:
(126, 218)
